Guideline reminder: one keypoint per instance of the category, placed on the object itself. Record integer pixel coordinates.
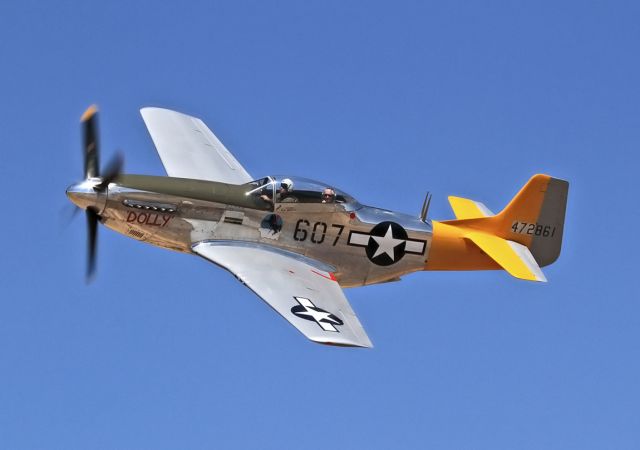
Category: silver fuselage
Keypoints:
(175, 213)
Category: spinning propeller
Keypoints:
(91, 193)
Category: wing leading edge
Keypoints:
(301, 290)
(188, 149)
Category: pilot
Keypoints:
(328, 195)
(284, 194)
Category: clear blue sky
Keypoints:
(387, 101)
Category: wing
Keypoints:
(301, 290)
(188, 149)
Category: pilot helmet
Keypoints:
(287, 184)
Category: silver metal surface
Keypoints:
(188, 148)
(425, 208)
(85, 194)
(319, 231)
(295, 242)
(304, 294)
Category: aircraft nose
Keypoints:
(83, 194)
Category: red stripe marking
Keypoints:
(330, 277)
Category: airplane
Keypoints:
(296, 242)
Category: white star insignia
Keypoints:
(387, 244)
(316, 315)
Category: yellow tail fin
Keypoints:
(524, 236)
(535, 217)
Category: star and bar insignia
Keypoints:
(305, 309)
(386, 243)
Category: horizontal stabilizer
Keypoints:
(464, 208)
(513, 257)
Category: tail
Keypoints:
(535, 218)
(524, 236)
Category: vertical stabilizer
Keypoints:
(535, 217)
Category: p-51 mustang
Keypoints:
(296, 242)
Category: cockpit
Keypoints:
(297, 190)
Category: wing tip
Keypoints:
(343, 344)
(365, 343)
(148, 111)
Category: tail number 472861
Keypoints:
(533, 229)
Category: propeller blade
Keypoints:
(67, 214)
(92, 242)
(114, 168)
(91, 143)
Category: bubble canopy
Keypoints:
(292, 189)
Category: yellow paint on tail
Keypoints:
(464, 208)
(479, 241)
(512, 257)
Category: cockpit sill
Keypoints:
(258, 194)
